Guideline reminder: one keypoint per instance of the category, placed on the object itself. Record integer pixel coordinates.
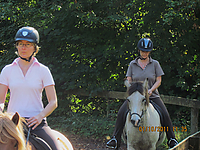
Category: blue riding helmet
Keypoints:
(145, 44)
(28, 34)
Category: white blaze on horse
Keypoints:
(12, 135)
(141, 131)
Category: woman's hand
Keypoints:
(34, 121)
(150, 92)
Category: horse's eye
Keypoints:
(128, 100)
(16, 144)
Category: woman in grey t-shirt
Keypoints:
(139, 69)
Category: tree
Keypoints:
(89, 43)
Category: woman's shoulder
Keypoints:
(133, 61)
(42, 66)
(7, 67)
(154, 61)
(44, 69)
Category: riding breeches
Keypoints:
(121, 119)
(44, 131)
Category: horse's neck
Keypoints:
(149, 115)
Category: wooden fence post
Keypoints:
(194, 119)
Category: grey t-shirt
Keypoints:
(151, 71)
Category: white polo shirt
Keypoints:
(26, 91)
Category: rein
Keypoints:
(27, 139)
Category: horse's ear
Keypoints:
(127, 84)
(15, 118)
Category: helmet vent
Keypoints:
(146, 43)
(142, 44)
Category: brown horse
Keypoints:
(12, 136)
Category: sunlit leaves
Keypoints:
(89, 43)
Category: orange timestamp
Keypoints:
(161, 129)
(182, 129)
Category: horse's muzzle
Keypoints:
(135, 119)
(135, 122)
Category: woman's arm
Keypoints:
(3, 92)
(129, 79)
(155, 86)
(51, 106)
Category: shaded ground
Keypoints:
(82, 143)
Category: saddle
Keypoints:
(159, 110)
(38, 142)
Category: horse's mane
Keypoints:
(138, 86)
(8, 129)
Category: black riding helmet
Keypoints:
(28, 34)
(145, 44)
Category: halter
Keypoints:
(137, 113)
(131, 114)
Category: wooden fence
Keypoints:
(192, 103)
(192, 142)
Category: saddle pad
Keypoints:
(38, 142)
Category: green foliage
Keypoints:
(89, 126)
(89, 43)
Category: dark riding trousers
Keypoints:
(44, 131)
(121, 119)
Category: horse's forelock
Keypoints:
(8, 129)
(139, 86)
(6, 126)
(136, 86)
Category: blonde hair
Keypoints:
(37, 48)
(8, 129)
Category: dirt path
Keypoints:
(82, 143)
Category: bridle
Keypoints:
(131, 114)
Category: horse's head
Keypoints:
(138, 100)
(11, 132)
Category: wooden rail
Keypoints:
(192, 103)
(192, 142)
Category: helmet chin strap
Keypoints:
(26, 59)
(140, 57)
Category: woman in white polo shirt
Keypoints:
(26, 78)
(139, 69)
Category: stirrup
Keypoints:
(112, 147)
(172, 139)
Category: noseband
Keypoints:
(136, 114)
(131, 114)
